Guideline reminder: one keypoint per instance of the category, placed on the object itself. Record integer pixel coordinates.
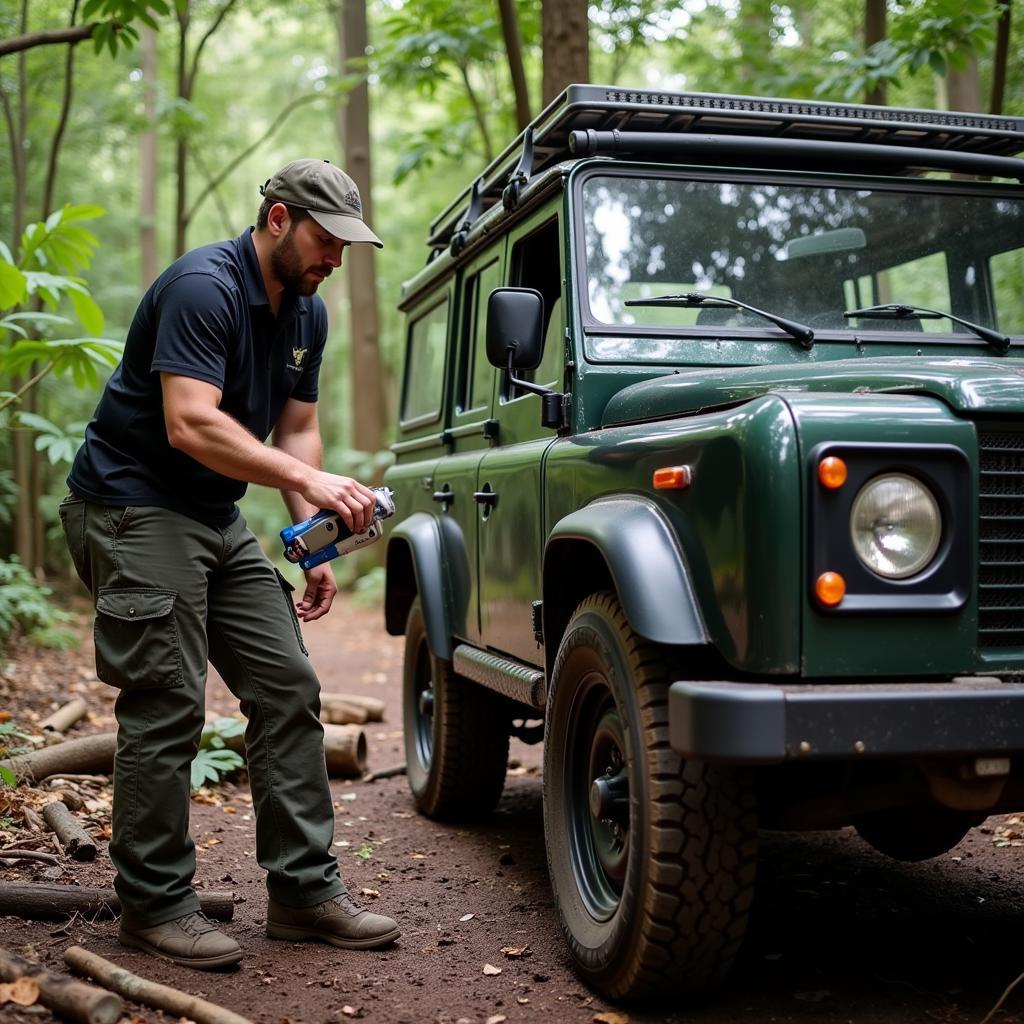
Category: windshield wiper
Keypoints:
(802, 333)
(900, 311)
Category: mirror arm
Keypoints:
(554, 405)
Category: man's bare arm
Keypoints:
(197, 426)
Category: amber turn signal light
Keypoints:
(672, 478)
(830, 588)
(832, 472)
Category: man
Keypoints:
(224, 349)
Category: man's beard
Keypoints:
(288, 269)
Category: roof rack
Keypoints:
(598, 108)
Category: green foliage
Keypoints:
(59, 443)
(927, 34)
(10, 732)
(365, 851)
(25, 607)
(215, 762)
(51, 255)
(368, 590)
(117, 28)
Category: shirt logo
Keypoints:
(298, 354)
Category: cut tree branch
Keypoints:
(139, 990)
(72, 34)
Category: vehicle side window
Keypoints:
(476, 375)
(424, 364)
(535, 264)
(1007, 270)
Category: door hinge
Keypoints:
(537, 613)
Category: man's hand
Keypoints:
(353, 501)
(319, 594)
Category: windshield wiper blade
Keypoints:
(801, 332)
(902, 311)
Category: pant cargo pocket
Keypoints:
(136, 638)
(288, 590)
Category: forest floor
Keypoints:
(839, 933)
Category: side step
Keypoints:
(523, 683)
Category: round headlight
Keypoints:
(895, 526)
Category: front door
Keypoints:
(510, 479)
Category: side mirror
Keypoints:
(515, 320)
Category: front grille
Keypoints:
(1001, 539)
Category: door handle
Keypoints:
(489, 498)
(443, 497)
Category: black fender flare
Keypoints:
(415, 544)
(639, 547)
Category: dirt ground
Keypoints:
(840, 934)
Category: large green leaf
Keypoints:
(13, 286)
(87, 310)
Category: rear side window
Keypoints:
(424, 364)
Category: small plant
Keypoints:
(8, 732)
(365, 852)
(25, 606)
(215, 761)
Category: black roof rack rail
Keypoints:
(606, 108)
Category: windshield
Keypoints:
(804, 252)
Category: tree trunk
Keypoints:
(514, 49)
(963, 87)
(181, 144)
(22, 452)
(148, 160)
(1000, 59)
(368, 411)
(874, 32)
(565, 44)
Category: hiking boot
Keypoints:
(340, 921)
(192, 941)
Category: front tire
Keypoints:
(652, 859)
(456, 733)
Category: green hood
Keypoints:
(966, 385)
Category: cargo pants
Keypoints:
(171, 594)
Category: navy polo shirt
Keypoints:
(206, 316)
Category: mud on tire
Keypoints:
(652, 860)
(456, 733)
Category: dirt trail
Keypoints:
(840, 934)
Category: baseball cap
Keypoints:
(327, 193)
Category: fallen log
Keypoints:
(63, 718)
(344, 749)
(375, 707)
(66, 996)
(88, 754)
(68, 829)
(149, 993)
(41, 901)
(71, 800)
(341, 712)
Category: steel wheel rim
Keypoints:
(598, 855)
(423, 696)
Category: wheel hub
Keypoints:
(609, 799)
(427, 703)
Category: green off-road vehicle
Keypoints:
(710, 473)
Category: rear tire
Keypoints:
(652, 859)
(456, 733)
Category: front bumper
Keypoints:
(755, 723)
